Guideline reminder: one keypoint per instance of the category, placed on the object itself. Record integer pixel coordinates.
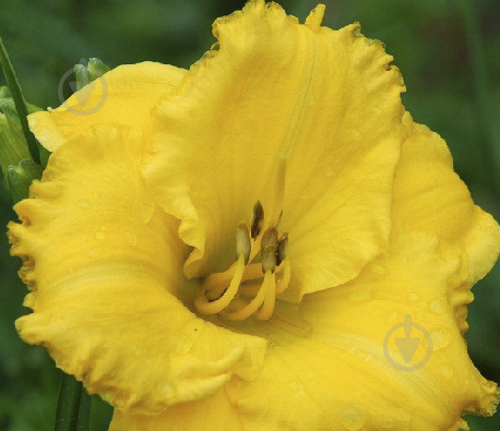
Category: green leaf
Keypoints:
(73, 408)
(83, 421)
(20, 103)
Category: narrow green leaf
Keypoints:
(19, 101)
(73, 407)
(70, 392)
(83, 421)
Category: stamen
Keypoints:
(266, 276)
(268, 249)
(255, 303)
(282, 249)
(256, 220)
(267, 309)
(243, 242)
(285, 280)
(211, 307)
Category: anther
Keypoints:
(243, 242)
(256, 220)
(282, 249)
(268, 250)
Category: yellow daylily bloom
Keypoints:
(135, 85)
(231, 247)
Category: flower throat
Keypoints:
(250, 285)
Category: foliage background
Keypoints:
(448, 52)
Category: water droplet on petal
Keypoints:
(379, 269)
(359, 296)
(436, 306)
(392, 318)
(387, 423)
(83, 204)
(413, 297)
(353, 418)
(168, 390)
(441, 339)
(131, 238)
(100, 235)
(145, 213)
(445, 371)
(183, 344)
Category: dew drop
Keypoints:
(379, 269)
(145, 213)
(387, 423)
(131, 238)
(183, 344)
(100, 235)
(392, 318)
(413, 297)
(436, 306)
(445, 371)
(167, 390)
(360, 296)
(441, 339)
(353, 418)
(83, 204)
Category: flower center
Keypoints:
(250, 285)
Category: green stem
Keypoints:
(19, 102)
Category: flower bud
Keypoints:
(88, 71)
(20, 177)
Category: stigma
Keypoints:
(260, 272)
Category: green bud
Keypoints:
(13, 146)
(89, 71)
(97, 68)
(82, 76)
(20, 177)
(4, 92)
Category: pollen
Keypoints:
(260, 272)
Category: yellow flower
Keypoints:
(228, 248)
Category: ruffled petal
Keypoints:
(214, 413)
(304, 119)
(104, 263)
(123, 96)
(429, 197)
(336, 374)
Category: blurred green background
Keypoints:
(448, 52)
